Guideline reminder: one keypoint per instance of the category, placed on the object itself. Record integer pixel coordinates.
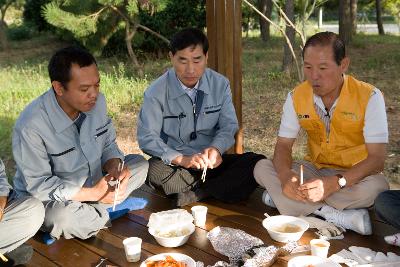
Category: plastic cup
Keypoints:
(319, 248)
(132, 246)
(200, 215)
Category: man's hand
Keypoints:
(196, 161)
(3, 203)
(111, 167)
(290, 187)
(107, 192)
(214, 157)
(318, 189)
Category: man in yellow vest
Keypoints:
(346, 125)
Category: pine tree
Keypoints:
(93, 22)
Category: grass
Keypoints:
(23, 77)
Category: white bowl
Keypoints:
(177, 256)
(176, 241)
(274, 223)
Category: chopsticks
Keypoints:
(203, 175)
(120, 168)
(3, 258)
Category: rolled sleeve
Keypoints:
(36, 176)
(149, 128)
(376, 127)
(227, 122)
(289, 127)
(5, 187)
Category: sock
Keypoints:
(48, 239)
(393, 239)
(186, 198)
(129, 204)
(20, 255)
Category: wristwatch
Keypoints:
(341, 181)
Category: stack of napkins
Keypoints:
(360, 256)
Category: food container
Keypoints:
(171, 228)
(284, 228)
(175, 238)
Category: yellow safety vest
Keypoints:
(345, 145)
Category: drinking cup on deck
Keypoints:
(199, 214)
(319, 247)
(132, 246)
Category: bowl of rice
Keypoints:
(171, 228)
(173, 238)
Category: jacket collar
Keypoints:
(57, 116)
(174, 86)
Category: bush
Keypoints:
(20, 32)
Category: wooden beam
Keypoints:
(224, 31)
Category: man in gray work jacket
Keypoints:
(64, 144)
(20, 219)
(187, 122)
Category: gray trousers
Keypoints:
(359, 195)
(83, 220)
(21, 220)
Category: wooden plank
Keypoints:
(125, 227)
(66, 252)
(39, 260)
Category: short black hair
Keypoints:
(328, 39)
(61, 62)
(188, 37)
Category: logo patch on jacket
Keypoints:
(303, 116)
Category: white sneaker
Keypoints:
(266, 198)
(354, 219)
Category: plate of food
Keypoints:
(169, 260)
(312, 261)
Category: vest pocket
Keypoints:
(354, 155)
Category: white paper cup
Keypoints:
(132, 246)
(319, 248)
(200, 215)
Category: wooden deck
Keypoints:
(246, 216)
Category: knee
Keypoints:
(58, 215)
(386, 200)
(262, 170)
(36, 214)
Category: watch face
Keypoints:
(342, 182)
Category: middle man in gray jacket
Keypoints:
(187, 122)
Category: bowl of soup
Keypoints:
(284, 228)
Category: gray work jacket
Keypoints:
(166, 118)
(5, 187)
(54, 160)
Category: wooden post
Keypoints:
(224, 32)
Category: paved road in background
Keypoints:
(366, 28)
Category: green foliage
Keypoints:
(33, 15)
(175, 16)
(79, 25)
(20, 32)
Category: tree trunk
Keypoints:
(129, 34)
(3, 36)
(345, 21)
(265, 6)
(290, 32)
(379, 17)
(353, 16)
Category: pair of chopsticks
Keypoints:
(120, 168)
(203, 175)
